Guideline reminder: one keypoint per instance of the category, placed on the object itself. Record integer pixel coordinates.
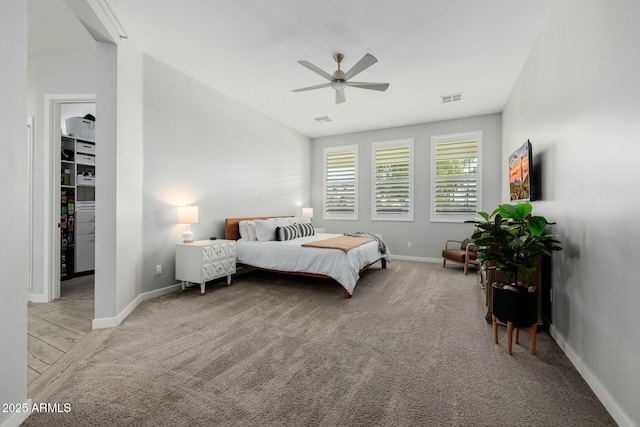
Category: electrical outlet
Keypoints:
(158, 270)
(409, 245)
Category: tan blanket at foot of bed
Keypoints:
(344, 243)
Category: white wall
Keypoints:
(119, 142)
(14, 256)
(51, 73)
(427, 238)
(106, 184)
(130, 163)
(578, 100)
(203, 148)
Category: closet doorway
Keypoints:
(72, 187)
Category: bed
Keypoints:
(291, 257)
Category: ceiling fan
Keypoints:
(339, 79)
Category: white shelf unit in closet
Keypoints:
(85, 205)
(78, 168)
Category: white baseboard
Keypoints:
(38, 298)
(112, 322)
(18, 418)
(618, 414)
(415, 258)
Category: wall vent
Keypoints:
(322, 119)
(454, 97)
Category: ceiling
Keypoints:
(248, 50)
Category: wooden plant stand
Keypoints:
(533, 329)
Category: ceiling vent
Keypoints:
(454, 97)
(322, 119)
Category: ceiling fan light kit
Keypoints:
(339, 79)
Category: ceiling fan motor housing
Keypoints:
(338, 81)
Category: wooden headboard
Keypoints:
(232, 225)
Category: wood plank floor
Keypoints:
(60, 337)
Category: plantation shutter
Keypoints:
(456, 177)
(393, 186)
(340, 184)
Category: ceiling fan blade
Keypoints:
(367, 61)
(340, 96)
(373, 86)
(313, 87)
(316, 70)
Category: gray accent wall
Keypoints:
(427, 238)
(578, 100)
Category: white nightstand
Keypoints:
(205, 260)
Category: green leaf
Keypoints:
(507, 211)
(536, 225)
(522, 210)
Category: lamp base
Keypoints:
(187, 237)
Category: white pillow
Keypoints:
(251, 228)
(281, 222)
(242, 228)
(247, 230)
(265, 230)
(301, 220)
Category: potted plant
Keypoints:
(511, 241)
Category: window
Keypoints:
(392, 189)
(456, 176)
(341, 182)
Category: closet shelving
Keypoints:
(77, 206)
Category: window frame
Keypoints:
(393, 216)
(352, 216)
(456, 137)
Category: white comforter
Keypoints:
(290, 256)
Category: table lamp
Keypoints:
(187, 215)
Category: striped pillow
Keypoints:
(305, 230)
(289, 232)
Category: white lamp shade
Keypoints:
(307, 212)
(187, 214)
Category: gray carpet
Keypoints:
(411, 348)
(79, 288)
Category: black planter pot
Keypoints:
(521, 308)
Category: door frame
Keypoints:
(30, 144)
(52, 146)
